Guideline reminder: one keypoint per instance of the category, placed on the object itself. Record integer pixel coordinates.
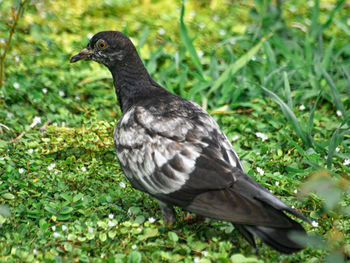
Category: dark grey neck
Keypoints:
(131, 81)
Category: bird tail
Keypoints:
(277, 238)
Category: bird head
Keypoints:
(106, 47)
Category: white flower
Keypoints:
(90, 35)
(44, 90)
(51, 166)
(292, 206)
(53, 228)
(10, 115)
(161, 31)
(196, 259)
(262, 136)
(337, 149)
(35, 251)
(30, 151)
(17, 58)
(192, 13)
(216, 18)
(260, 171)
(339, 113)
(139, 229)
(111, 223)
(2, 158)
(205, 253)
(10, 188)
(253, 58)
(314, 224)
(64, 227)
(90, 229)
(21, 170)
(56, 234)
(83, 169)
(134, 246)
(56, 172)
(35, 121)
(77, 97)
(292, 9)
(122, 185)
(1, 182)
(201, 25)
(82, 199)
(16, 85)
(346, 162)
(54, 124)
(277, 183)
(61, 93)
(200, 53)
(302, 107)
(222, 32)
(235, 138)
(310, 3)
(151, 220)
(110, 216)
(295, 191)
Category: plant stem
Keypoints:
(7, 46)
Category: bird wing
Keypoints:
(183, 158)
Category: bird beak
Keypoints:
(83, 55)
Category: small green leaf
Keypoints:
(173, 236)
(103, 236)
(135, 257)
(8, 196)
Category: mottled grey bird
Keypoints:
(172, 149)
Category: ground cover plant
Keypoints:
(275, 75)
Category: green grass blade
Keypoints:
(334, 93)
(347, 77)
(143, 37)
(237, 65)
(288, 113)
(187, 41)
(310, 122)
(328, 54)
(337, 7)
(287, 90)
(314, 28)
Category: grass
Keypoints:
(260, 68)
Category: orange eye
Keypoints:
(102, 44)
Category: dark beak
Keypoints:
(83, 55)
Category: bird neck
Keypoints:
(132, 82)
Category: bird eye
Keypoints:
(102, 44)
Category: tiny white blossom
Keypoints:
(51, 166)
(192, 13)
(53, 228)
(110, 216)
(35, 251)
(17, 58)
(10, 115)
(16, 85)
(2, 41)
(83, 169)
(56, 172)
(21, 170)
(2, 158)
(111, 223)
(45, 90)
(205, 253)
(339, 113)
(54, 124)
(90, 35)
(77, 97)
(90, 229)
(292, 9)
(61, 93)
(277, 183)
(56, 234)
(1, 182)
(260, 171)
(222, 32)
(196, 259)
(314, 224)
(30, 151)
(337, 149)
(82, 199)
(134, 246)
(302, 107)
(10, 188)
(35, 122)
(122, 185)
(262, 136)
(253, 58)
(311, 3)
(161, 31)
(346, 162)
(295, 191)
(201, 25)
(200, 53)
(62, 78)
(216, 18)
(235, 138)
(64, 227)
(139, 229)
(151, 220)
(292, 206)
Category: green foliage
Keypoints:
(63, 196)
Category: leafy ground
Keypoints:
(276, 78)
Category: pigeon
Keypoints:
(173, 150)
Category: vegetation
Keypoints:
(275, 75)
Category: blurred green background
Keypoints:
(274, 74)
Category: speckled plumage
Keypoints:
(173, 150)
